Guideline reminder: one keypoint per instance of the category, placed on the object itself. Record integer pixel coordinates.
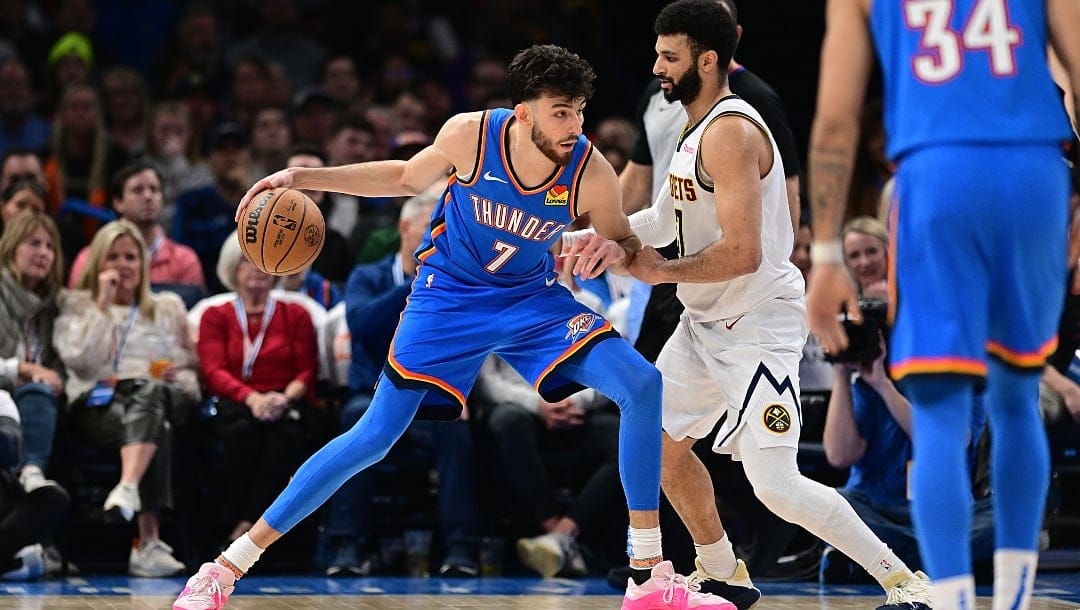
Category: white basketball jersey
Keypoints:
(697, 226)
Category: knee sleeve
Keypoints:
(777, 482)
(820, 510)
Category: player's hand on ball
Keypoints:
(282, 178)
(646, 265)
(594, 254)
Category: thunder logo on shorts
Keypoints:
(579, 325)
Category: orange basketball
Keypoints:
(281, 231)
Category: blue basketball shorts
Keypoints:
(978, 249)
(449, 327)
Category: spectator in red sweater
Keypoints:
(259, 358)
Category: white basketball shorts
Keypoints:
(742, 371)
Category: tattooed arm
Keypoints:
(847, 58)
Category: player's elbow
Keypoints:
(409, 186)
(414, 181)
(834, 126)
(747, 259)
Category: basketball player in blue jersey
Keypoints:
(975, 124)
(486, 283)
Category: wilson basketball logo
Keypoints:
(251, 227)
(313, 236)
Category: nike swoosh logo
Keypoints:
(733, 322)
(550, 281)
(488, 176)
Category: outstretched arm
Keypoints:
(454, 146)
(846, 60)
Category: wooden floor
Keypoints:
(379, 602)
(1054, 590)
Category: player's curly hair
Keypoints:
(707, 25)
(549, 70)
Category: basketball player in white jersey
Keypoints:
(733, 361)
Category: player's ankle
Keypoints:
(225, 563)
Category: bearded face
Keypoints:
(552, 151)
(686, 89)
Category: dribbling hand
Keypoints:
(279, 179)
(831, 289)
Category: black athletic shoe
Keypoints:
(738, 589)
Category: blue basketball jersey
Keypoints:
(966, 71)
(489, 228)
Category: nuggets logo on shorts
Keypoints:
(777, 419)
(579, 325)
(557, 195)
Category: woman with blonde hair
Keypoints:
(31, 275)
(131, 367)
(866, 253)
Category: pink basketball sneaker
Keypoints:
(208, 589)
(666, 589)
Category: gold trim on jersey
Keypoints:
(504, 140)
(691, 127)
(706, 180)
(576, 181)
(480, 150)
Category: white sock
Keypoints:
(242, 553)
(718, 558)
(888, 569)
(644, 544)
(1014, 576)
(956, 593)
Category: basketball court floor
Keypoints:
(1053, 591)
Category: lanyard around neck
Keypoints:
(252, 348)
(121, 342)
